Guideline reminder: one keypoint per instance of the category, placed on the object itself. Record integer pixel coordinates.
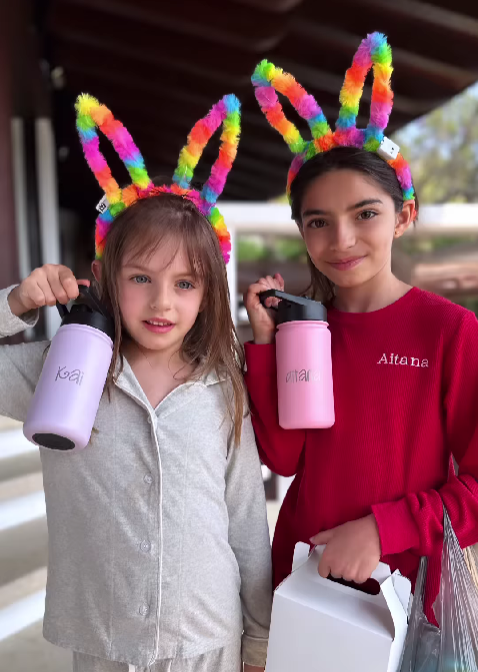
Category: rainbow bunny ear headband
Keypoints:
(91, 115)
(374, 52)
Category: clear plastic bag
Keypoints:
(453, 647)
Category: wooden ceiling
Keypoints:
(160, 66)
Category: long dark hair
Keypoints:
(212, 343)
(341, 158)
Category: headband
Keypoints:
(374, 52)
(91, 115)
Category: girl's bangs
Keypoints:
(189, 232)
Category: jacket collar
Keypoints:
(127, 381)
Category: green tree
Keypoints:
(442, 149)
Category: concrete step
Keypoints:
(20, 465)
(8, 423)
(21, 510)
(23, 538)
(22, 603)
(21, 486)
(22, 587)
(23, 530)
(18, 457)
(27, 651)
(23, 549)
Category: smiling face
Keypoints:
(159, 297)
(348, 223)
(163, 279)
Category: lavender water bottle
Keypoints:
(67, 396)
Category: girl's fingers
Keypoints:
(34, 296)
(280, 281)
(324, 567)
(272, 302)
(251, 298)
(69, 284)
(59, 291)
(45, 287)
(322, 537)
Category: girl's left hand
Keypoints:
(352, 550)
(251, 668)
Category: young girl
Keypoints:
(159, 547)
(405, 362)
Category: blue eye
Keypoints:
(140, 279)
(185, 284)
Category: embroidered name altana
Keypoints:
(399, 360)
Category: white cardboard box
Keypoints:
(321, 626)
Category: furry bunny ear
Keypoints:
(267, 79)
(91, 115)
(227, 112)
(373, 52)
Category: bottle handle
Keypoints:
(277, 294)
(270, 293)
(90, 296)
(62, 309)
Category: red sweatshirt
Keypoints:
(406, 399)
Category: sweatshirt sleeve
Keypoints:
(415, 522)
(20, 365)
(280, 449)
(250, 542)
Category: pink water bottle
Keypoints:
(304, 362)
(67, 396)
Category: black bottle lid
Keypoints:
(295, 308)
(89, 311)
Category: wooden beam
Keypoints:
(451, 21)
(232, 28)
(272, 5)
(140, 44)
(96, 81)
(440, 72)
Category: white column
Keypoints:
(48, 205)
(283, 483)
(20, 195)
(232, 272)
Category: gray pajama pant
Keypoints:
(227, 659)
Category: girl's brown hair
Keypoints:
(212, 343)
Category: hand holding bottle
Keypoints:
(45, 286)
(262, 322)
